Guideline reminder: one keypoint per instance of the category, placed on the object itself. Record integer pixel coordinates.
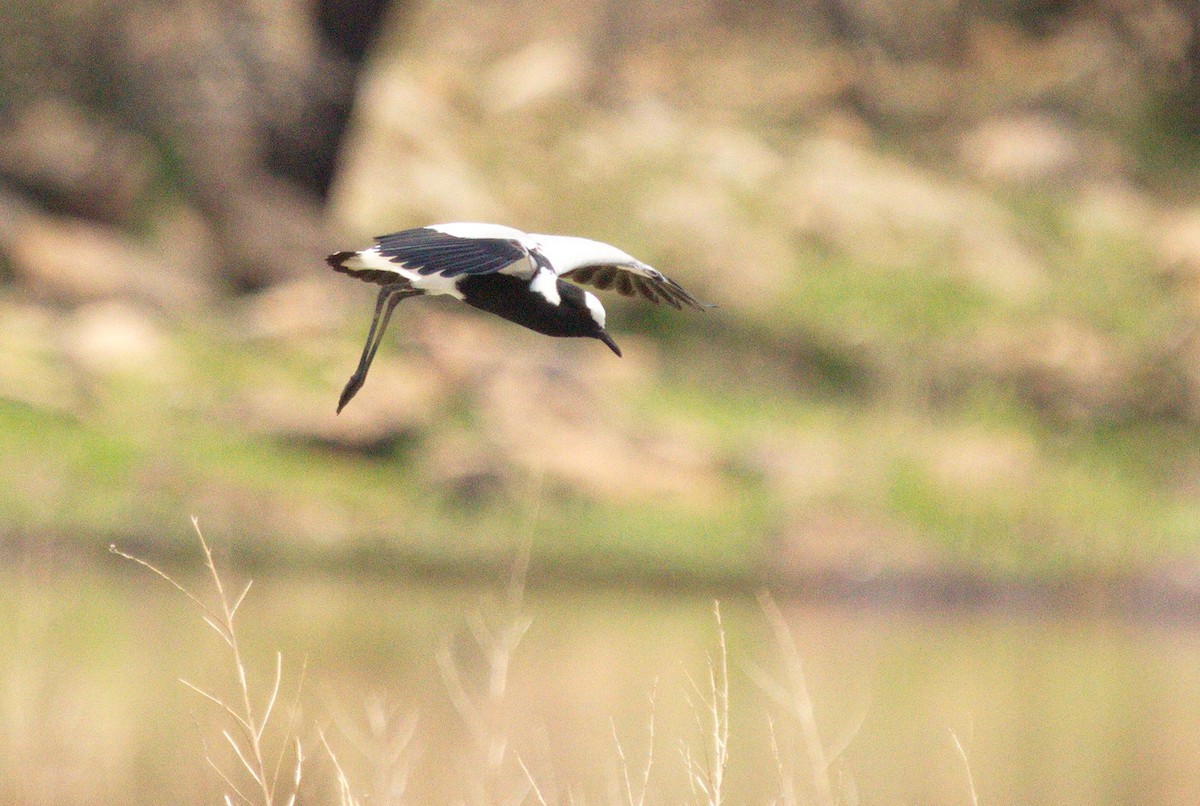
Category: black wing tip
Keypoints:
(680, 294)
(338, 260)
(680, 298)
(687, 299)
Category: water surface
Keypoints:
(1047, 710)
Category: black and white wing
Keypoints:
(636, 280)
(455, 249)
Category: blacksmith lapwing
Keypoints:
(513, 274)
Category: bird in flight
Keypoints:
(515, 275)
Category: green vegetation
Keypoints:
(866, 358)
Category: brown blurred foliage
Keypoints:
(239, 106)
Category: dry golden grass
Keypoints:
(260, 764)
(706, 768)
(262, 759)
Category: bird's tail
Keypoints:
(338, 260)
(351, 263)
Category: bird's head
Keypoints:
(585, 313)
(595, 312)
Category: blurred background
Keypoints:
(946, 410)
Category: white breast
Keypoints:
(594, 307)
(546, 283)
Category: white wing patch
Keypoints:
(469, 229)
(429, 283)
(566, 252)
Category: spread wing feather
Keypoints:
(430, 251)
(642, 281)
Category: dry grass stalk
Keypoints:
(345, 791)
(962, 753)
(796, 698)
(246, 740)
(386, 741)
(537, 792)
(787, 781)
(638, 799)
(496, 640)
(706, 775)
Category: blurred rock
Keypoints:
(268, 234)
(1022, 149)
(848, 542)
(737, 158)
(394, 409)
(1114, 209)
(71, 260)
(879, 209)
(460, 466)
(1182, 354)
(75, 162)
(798, 468)
(1177, 241)
(411, 191)
(543, 71)
(1082, 61)
(461, 347)
(549, 420)
(767, 78)
(405, 162)
(705, 238)
(975, 462)
(115, 337)
(612, 144)
(184, 244)
(702, 228)
(292, 309)
(242, 102)
(33, 371)
(1061, 366)
(909, 92)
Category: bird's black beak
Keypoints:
(607, 339)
